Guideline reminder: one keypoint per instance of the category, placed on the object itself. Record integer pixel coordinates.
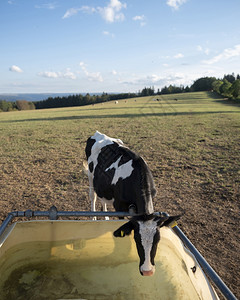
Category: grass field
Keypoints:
(191, 144)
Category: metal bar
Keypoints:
(37, 213)
(53, 214)
(81, 214)
(204, 264)
(5, 223)
(92, 214)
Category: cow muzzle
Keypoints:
(147, 273)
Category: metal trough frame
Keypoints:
(54, 214)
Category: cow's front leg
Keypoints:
(93, 198)
(104, 207)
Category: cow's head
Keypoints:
(147, 236)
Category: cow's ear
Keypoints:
(165, 221)
(124, 230)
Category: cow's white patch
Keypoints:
(102, 140)
(106, 201)
(147, 230)
(149, 207)
(122, 171)
(114, 165)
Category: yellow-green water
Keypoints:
(63, 270)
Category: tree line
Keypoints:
(228, 87)
(18, 105)
(80, 100)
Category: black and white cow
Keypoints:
(121, 177)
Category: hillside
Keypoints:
(190, 142)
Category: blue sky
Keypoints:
(115, 45)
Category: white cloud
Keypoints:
(159, 81)
(71, 12)
(88, 9)
(95, 76)
(225, 55)
(82, 64)
(114, 72)
(179, 55)
(204, 50)
(140, 19)
(51, 5)
(107, 33)
(68, 74)
(175, 4)
(51, 74)
(48, 74)
(92, 76)
(110, 13)
(16, 69)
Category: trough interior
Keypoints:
(82, 260)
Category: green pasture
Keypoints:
(188, 141)
(165, 126)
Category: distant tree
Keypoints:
(147, 91)
(203, 84)
(225, 88)
(31, 105)
(235, 89)
(230, 77)
(6, 106)
(170, 89)
(216, 85)
(104, 97)
(24, 105)
(87, 98)
(165, 90)
(187, 89)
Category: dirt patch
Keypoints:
(211, 212)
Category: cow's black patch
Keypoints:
(143, 218)
(108, 155)
(127, 155)
(90, 166)
(88, 149)
(138, 241)
(156, 240)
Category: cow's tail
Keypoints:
(85, 167)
